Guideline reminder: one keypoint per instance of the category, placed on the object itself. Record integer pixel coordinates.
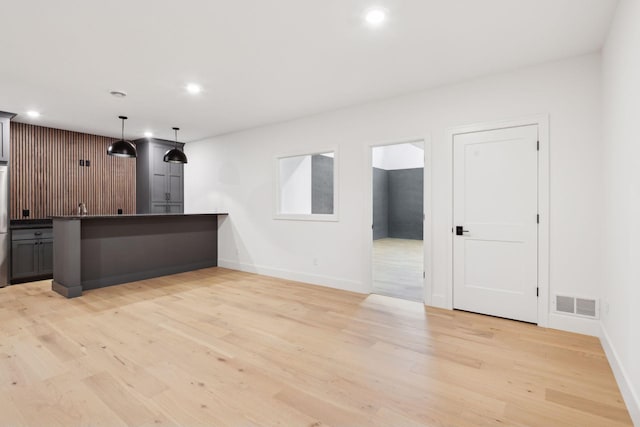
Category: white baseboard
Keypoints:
(315, 279)
(579, 325)
(627, 390)
(439, 301)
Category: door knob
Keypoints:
(460, 230)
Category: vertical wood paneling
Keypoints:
(46, 177)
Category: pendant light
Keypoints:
(175, 155)
(122, 148)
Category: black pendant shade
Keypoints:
(175, 155)
(122, 148)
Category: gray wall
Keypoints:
(321, 184)
(380, 203)
(398, 203)
(406, 194)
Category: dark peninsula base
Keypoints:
(96, 251)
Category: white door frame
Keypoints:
(427, 234)
(542, 121)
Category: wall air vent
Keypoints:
(565, 304)
(576, 306)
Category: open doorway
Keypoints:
(398, 220)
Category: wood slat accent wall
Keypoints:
(46, 177)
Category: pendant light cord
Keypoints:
(123, 118)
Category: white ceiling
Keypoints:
(263, 61)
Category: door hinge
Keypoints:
(538, 146)
(537, 292)
(538, 219)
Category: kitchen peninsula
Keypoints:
(102, 250)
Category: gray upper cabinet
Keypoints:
(4, 137)
(5, 120)
(176, 183)
(159, 185)
(159, 174)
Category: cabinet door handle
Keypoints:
(38, 233)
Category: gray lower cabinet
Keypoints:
(45, 257)
(167, 208)
(157, 208)
(175, 208)
(24, 259)
(31, 254)
(159, 185)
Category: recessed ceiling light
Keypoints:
(375, 16)
(33, 114)
(148, 134)
(194, 88)
(118, 93)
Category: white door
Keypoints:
(495, 213)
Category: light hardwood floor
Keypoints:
(397, 268)
(222, 348)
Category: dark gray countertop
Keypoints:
(18, 224)
(87, 217)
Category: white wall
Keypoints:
(234, 173)
(398, 156)
(295, 185)
(621, 153)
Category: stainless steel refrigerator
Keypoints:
(5, 241)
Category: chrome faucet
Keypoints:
(82, 209)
